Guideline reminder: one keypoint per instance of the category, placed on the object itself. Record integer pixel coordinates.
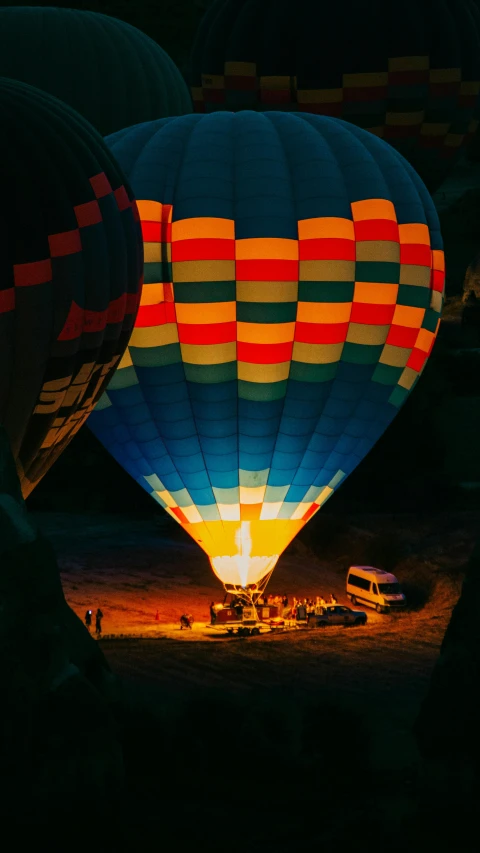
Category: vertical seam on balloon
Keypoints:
(270, 117)
(315, 125)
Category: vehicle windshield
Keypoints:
(389, 588)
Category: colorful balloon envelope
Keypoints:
(110, 72)
(406, 70)
(294, 275)
(71, 265)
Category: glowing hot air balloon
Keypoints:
(294, 275)
(407, 70)
(71, 267)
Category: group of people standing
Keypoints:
(98, 620)
(301, 607)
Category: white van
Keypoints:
(378, 589)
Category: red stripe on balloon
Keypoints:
(151, 231)
(132, 300)
(266, 270)
(101, 185)
(66, 243)
(180, 515)
(203, 249)
(321, 333)
(417, 359)
(7, 300)
(73, 324)
(376, 229)
(264, 353)
(38, 272)
(155, 315)
(357, 94)
(117, 309)
(327, 249)
(122, 199)
(418, 254)
(310, 511)
(207, 333)
(372, 315)
(88, 214)
(438, 280)
(406, 78)
(402, 336)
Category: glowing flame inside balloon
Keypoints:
(242, 568)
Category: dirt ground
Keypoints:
(133, 567)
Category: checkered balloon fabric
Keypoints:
(294, 277)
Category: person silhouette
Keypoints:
(98, 621)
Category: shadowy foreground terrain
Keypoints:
(296, 739)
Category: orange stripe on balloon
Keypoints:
(323, 333)
(266, 270)
(250, 512)
(264, 353)
(370, 314)
(203, 249)
(328, 249)
(205, 333)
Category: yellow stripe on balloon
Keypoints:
(154, 336)
(208, 353)
(317, 353)
(267, 291)
(381, 250)
(326, 271)
(369, 334)
(263, 372)
(184, 271)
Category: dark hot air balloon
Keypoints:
(294, 278)
(110, 72)
(406, 70)
(71, 265)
